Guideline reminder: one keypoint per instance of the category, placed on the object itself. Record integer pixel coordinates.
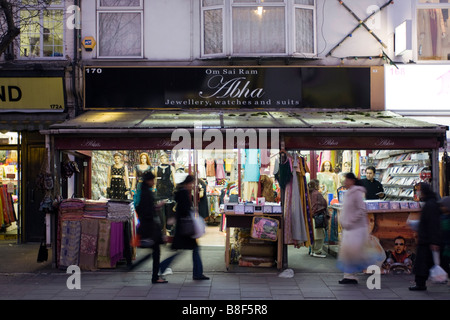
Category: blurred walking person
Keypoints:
(352, 256)
(428, 236)
(183, 198)
(149, 228)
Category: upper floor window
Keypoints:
(258, 27)
(120, 28)
(41, 28)
(433, 32)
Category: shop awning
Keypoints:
(290, 123)
(20, 121)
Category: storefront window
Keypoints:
(119, 28)
(42, 29)
(9, 186)
(258, 27)
(433, 41)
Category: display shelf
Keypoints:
(399, 171)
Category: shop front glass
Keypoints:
(9, 182)
(243, 182)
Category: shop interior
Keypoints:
(244, 176)
(9, 186)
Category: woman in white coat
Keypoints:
(353, 255)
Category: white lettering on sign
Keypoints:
(233, 88)
(384, 143)
(328, 142)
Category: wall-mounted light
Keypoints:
(403, 38)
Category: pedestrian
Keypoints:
(149, 229)
(428, 236)
(353, 255)
(318, 207)
(183, 199)
(445, 228)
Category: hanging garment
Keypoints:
(298, 226)
(283, 171)
(251, 165)
(210, 168)
(117, 187)
(201, 169)
(220, 169)
(306, 201)
(164, 185)
(70, 243)
(265, 162)
(203, 208)
(103, 254)
(250, 191)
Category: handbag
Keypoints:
(43, 252)
(321, 220)
(186, 226)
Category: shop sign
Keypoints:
(32, 94)
(229, 87)
(359, 142)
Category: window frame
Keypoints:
(41, 9)
(423, 6)
(289, 6)
(112, 9)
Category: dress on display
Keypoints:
(210, 168)
(164, 186)
(220, 169)
(117, 188)
(140, 174)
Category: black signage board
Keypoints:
(226, 87)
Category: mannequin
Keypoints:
(140, 169)
(118, 182)
(252, 164)
(165, 175)
(327, 179)
(346, 167)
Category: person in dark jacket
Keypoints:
(149, 228)
(183, 198)
(428, 236)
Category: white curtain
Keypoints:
(259, 32)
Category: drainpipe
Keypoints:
(75, 58)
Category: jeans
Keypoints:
(197, 262)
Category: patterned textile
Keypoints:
(117, 189)
(116, 243)
(120, 211)
(70, 243)
(103, 255)
(88, 244)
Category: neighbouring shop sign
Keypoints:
(226, 87)
(32, 94)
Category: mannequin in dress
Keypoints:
(118, 182)
(165, 175)
(139, 171)
(327, 179)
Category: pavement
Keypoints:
(23, 278)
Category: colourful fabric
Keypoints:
(88, 244)
(116, 242)
(103, 254)
(70, 243)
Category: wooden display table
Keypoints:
(245, 221)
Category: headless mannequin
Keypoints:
(165, 175)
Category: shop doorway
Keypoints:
(34, 218)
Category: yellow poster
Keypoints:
(19, 94)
